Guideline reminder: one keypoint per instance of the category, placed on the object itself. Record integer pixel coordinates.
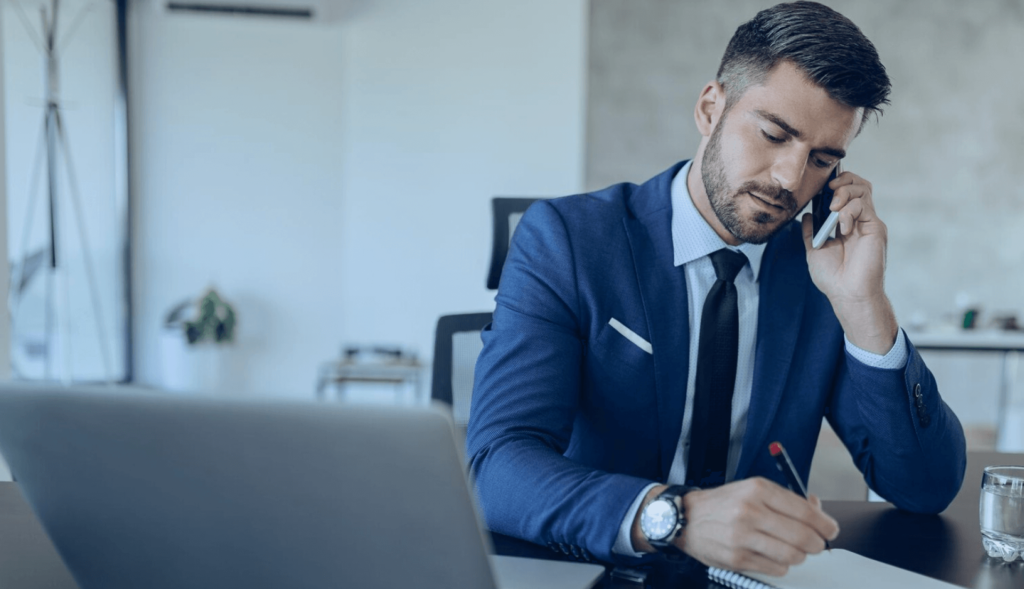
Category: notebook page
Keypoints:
(842, 569)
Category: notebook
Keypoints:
(836, 569)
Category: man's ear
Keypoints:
(709, 109)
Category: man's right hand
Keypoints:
(753, 525)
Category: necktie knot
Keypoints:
(727, 264)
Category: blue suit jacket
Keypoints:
(570, 420)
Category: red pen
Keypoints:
(785, 465)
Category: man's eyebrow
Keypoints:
(778, 121)
(836, 153)
(782, 124)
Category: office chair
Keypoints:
(507, 213)
(457, 339)
(456, 345)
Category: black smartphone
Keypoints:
(823, 200)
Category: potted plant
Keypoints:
(197, 334)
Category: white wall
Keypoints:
(5, 327)
(333, 181)
(448, 104)
(5, 331)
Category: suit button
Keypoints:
(925, 420)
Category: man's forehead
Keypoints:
(788, 99)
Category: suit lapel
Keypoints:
(663, 291)
(783, 288)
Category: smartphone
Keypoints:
(824, 220)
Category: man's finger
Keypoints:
(845, 179)
(789, 504)
(750, 561)
(815, 501)
(776, 550)
(792, 532)
(847, 194)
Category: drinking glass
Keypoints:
(1002, 512)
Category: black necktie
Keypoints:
(716, 375)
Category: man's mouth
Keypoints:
(765, 201)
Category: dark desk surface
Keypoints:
(946, 546)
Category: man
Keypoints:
(650, 341)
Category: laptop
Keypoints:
(144, 489)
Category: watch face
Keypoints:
(659, 519)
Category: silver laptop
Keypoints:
(139, 489)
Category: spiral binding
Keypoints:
(735, 580)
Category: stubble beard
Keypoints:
(762, 226)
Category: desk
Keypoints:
(946, 546)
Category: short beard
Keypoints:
(763, 226)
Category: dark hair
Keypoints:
(822, 43)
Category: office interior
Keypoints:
(332, 177)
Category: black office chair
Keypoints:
(507, 213)
(457, 339)
(456, 345)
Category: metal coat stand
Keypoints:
(53, 146)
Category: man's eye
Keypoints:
(772, 138)
(821, 163)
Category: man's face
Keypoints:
(772, 151)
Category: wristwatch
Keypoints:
(663, 519)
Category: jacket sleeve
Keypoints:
(904, 439)
(525, 399)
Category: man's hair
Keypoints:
(825, 45)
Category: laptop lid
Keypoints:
(138, 489)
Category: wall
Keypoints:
(5, 327)
(5, 332)
(333, 181)
(448, 104)
(943, 159)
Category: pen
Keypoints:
(785, 465)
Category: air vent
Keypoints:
(212, 8)
(314, 11)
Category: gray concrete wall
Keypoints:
(945, 159)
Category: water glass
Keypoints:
(1002, 512)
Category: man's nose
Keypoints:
(788, 170)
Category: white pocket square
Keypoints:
(631, 335)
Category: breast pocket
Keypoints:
(620, 353)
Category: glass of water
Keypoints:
(1002, 512)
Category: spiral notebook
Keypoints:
(836, 569)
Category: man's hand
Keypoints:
(850, 269)
(750, 525)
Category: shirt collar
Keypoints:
(692, 237)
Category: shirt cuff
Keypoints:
(895, 359)
(624, 542)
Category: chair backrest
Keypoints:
(456, 345)
(507, 213)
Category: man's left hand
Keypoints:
(850, 269)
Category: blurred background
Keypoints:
(326, 172)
